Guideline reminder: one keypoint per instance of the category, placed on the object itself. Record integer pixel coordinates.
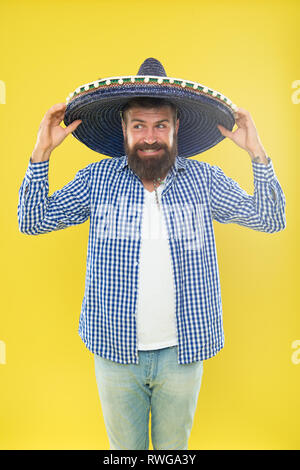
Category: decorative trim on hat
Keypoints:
(113, 82)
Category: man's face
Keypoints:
(150, 141)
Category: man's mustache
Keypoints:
(149, 147)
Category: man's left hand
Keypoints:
(246, 136)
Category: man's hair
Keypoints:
(148, 103)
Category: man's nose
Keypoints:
(150, 137)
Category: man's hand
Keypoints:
(51, 133)
(246, 136)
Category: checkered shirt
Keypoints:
(111, 196)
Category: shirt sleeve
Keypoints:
(40, 213)
(264, 211)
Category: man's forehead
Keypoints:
(150, 113)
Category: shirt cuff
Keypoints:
(262, 172)
(38, 170)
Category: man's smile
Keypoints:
(149, 151)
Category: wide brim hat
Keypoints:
(98, 105)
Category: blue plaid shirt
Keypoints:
(109, 194)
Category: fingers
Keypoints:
(54, 115)
(242, 115)
(242, 112)
(224, 131)
(56, 109)
(244, 119)
(71, 127)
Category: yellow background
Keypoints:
(249, 51)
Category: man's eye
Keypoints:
(138, 126)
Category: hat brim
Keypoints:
(198, 112)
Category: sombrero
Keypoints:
(98, 105)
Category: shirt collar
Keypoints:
(122, 162)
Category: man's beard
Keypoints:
(150, 168)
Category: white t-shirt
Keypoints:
(156, 321)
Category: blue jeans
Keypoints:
(128, 391)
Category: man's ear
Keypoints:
(177, 126)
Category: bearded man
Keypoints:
(151, 312)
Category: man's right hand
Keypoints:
(51, 133)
